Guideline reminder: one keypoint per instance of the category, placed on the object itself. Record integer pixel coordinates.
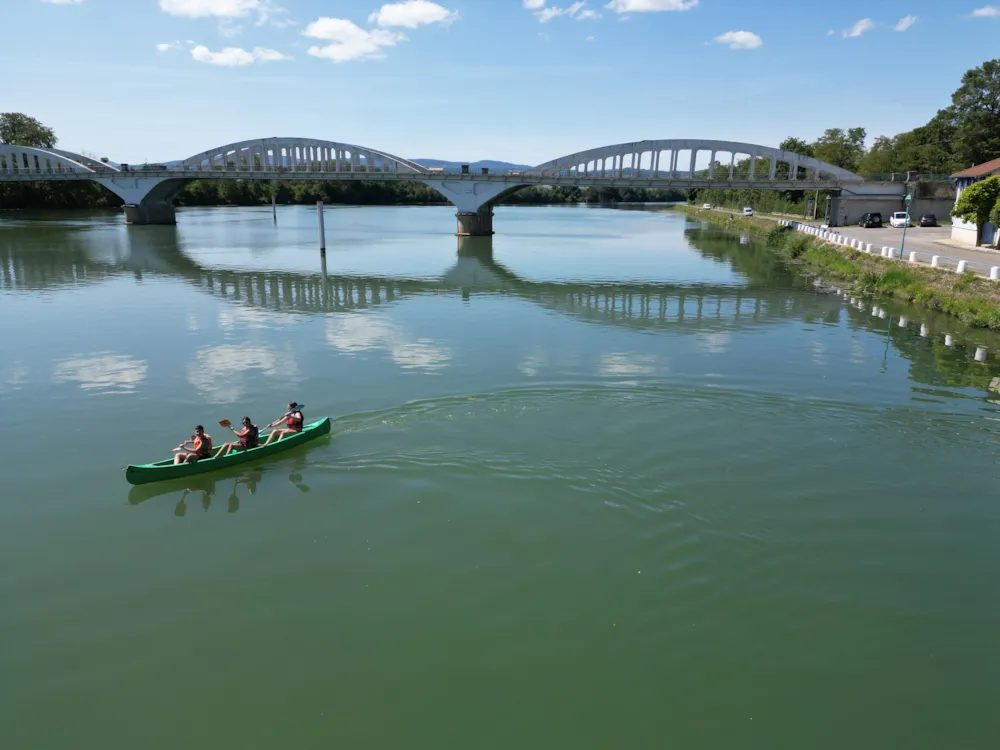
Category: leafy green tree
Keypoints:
(797, 145)
(977, 202)
(880, 158)
(841, 149)
(975, 109)
(20, 130)
(927, 149)
(995, 221)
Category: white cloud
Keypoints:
(412, 13)
(588, 15)
(231, 57)
(229, 29)
(740, 40)
(219, 8)
(264, 54)
(904, 23)
(63, 2)
(591, 38)
(165, 47)
(831, 32)
(547, 14)
(650, 6)
(987, 11)
(859, 28)
(348, 41)
(534, 4)
(354, 333)
(110, 373)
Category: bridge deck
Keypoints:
(516, 179)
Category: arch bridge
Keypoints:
(148, 190)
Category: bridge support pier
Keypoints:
(835, 209)
(477, 223)
(150, 212)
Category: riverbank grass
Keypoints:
(972, 299)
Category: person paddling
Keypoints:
(249, 437)
(201, 447)
(293, 422)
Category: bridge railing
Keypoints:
(906, 177)
(271, 168)
(14, 169)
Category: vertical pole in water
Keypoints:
(274, 207)
(325, 280)
(322, 228)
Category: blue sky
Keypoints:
(516, 80)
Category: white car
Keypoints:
(747, 211)
(706, 206)
(899, 220)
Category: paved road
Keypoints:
(926, 241)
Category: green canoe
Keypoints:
(164, 470)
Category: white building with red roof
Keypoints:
(965, 231)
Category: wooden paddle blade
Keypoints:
(225, 423)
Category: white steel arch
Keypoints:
(660, 159)
(27, 160)
(298, 154)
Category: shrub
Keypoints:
(796, 246)
(775, 237)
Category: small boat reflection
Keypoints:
(205, 488)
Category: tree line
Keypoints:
(961, 135)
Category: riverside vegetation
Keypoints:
(972, 299)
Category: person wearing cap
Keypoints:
(293, 422)
(201, 447)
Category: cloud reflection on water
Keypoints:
(352, 334)
(222, 373)
(105, 372)
(14, 376)
(619, 363)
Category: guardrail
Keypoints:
(906, 177)
(934, 260)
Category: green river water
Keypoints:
(610, 479)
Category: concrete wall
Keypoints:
(965, 233)
(940, 207)
(852, 209)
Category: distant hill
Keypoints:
(474, 166)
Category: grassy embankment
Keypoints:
(972, 299)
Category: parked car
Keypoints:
(871, 221)
(928, 220)
(899, 219)
(747, 211)
(706, 206)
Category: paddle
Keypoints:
(227, 423)
(180, 509)
(181, 446)
(286, 414)
(234, 500)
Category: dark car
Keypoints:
(871, 221)
(928, 220)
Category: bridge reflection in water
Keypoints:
(642, 304)
(45, 256)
